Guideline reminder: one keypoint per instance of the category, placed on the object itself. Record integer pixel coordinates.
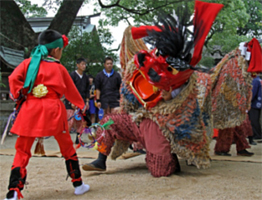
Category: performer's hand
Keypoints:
(87, 105)
(166, 95)
(98, 105)
(84, 124)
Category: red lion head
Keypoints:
(171, 62)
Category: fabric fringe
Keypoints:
(129, 47)
(120, 147)
(39, 148)
(187, 120)
(190, 110)
(231, 92)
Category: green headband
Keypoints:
(37, 54)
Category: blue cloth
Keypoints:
(100, 114)
(256, 101)
(108, 75)
(92, 108)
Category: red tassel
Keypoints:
(19, 194)
(205, 14)
(255, 64)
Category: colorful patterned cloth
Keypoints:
(186, 121)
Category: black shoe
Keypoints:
(178, 168)
(222, 153)
(244, 153)
(252, 143)
(131, 147)
(93, 167)
(140, 151)
(98, 165)
(10, 194)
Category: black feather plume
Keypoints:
(174, 39)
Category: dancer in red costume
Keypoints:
(39, 82)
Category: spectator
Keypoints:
(256, 105)
(107, 84)
(81, 82)
(92, 108)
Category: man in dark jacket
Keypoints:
(107, 84)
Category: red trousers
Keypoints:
(23, 150)
(159, 159)
(226, 137)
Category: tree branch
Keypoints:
(126, 18)
(217, 51)
(138, 12)
(111, 50)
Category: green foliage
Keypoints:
(91, 46)
(55, 4)
(224, 30)
(31, 10)
(139, 12)
(254, 25)
(207, 61)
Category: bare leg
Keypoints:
(92, 118)
(107, 110)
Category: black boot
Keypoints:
(72, 166)
(15, 181)
(141, 151)
(178, 169)
(221, 153)
(98, 165)
(244, 153)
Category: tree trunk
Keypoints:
(16, 32)
(65, 16)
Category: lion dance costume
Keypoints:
(182, 126)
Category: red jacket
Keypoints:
(44, 116)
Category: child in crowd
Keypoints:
(92, 107)
(41, 81)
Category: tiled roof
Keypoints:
(11, 57)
